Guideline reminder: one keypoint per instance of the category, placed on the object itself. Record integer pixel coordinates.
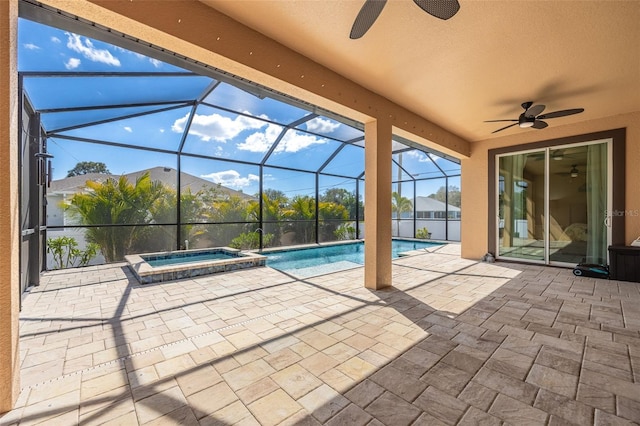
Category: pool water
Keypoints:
(180, 258)
(317, 260)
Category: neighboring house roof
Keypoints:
(428, 204)
(166, 175)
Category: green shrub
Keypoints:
(423, 233)
(345, 232)
(250, 241)
(66, 253)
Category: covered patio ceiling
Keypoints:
(479, 65)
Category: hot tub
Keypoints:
(175, 265)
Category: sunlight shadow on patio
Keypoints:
(319, 349)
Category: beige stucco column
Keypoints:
(9, 224)
(377, 204)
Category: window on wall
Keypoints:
(153, 157)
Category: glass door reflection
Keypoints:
(521, 206)
(578, 204)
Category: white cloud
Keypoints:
(128, 129)
(321, 125)
(55, 39)
(434, 157)
(293, 141)
(232, 179)
(156, 63)
(72, 63)
(419, 155)
(31, 46)
(217, 127)
(161, 130)
(86, 48)
(261, 141)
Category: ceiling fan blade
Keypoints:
(538, 124)
(505, 127)
(496, 121)
(562, 113)
(370, 11)
(443, 9)
(534, 110)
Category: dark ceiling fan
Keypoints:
(531, 116)
(371, 9)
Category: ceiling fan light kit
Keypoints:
(574, 171)
(532, 117)
(524, 121)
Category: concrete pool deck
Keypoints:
(454, 342)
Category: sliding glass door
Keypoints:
(521, 194)
(552, 204)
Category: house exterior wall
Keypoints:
(9, 212)
(476, 179)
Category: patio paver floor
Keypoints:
(454, 342)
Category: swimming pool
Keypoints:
(307, 262)
(179, 258)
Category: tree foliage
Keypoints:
(400, 204)
(454, 198)
(84, 167)
(343, 198)
(118, 202)
(135, 214)
(301, 214)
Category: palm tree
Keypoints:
(302, 213)
(118, 202)
(399, 205)
(331, 216)
(228, 211)
(273, 205)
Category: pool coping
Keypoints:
(145, 273)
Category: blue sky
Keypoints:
(245, 135)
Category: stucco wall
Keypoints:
(9, 224)
(475, 179)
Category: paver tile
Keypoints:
(245, 375)
(296, 381)
(628, 408)
(274, 408)
(159, 404)
(477, 395)
(515, 412)
(401, 384)
(352, 415)
(453, 341)
(364, 393)
(441, 405)
(318, 363)
(474, 416)
(391, 409)
(564, 407)
(323, 402)
(211, 399)
(553, 380)
(603, 418)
